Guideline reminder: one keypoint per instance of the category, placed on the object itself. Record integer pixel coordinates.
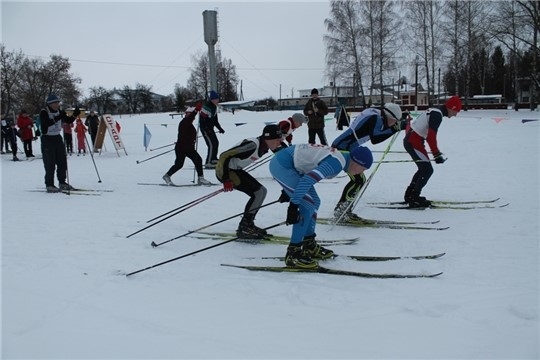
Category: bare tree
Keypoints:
(516, 27)
(425, 36)
(344, 51)
(199, 79)
(11, 64)
(101, 98)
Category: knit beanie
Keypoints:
(362, 156)
(454, 103)
(213, 95)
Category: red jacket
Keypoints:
(25, 124)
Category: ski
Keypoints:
(439, 202)
(270, 239)
(382, 226)
(435, 206)
(381, 222)
(370, 258)
(325, 270)
(92, 190)
(175, 185)
(65, 192)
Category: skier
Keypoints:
(68, 137)
(185, 147)
(208, 119)
(424, 129)
(372, 124)
(229, 171)
(297, 169)
(52, 146)
(289, 125)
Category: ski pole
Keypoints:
(400, 161)
(155, 156)
(161, 147)
(204, 197)
(197, 251)
(182, 208)
(91, 151)
(352, 204)
(207, 226)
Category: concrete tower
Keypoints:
(211, 38)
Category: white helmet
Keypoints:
(393, 110)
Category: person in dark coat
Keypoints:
(92, 123)
(208, 120)
(185, 147)
(52, 145)
(315, 110)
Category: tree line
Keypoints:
(26, 82)
(482, 47)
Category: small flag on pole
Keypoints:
(147, 137)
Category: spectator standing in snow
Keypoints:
(26, 125)
(92, 122)
(316, 110)
(424, 129)
(80, 130)
(4, 143)
(208, 120)
(68, 137)
(185, 147)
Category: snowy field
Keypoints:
(64, 295)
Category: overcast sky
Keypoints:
(113, 44)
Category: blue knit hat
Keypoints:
(213, 95)
(52, 98)
(362, 156)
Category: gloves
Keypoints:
(283, 198)
(293, 215)
(439, 157)
(400, 125)
(198, 107)
(228, 186)
(76, 112)
(221, 131)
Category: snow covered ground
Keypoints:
(64, 295)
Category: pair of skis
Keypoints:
(443, 204)
(276, 239)
(326, 270)
(385, 224)
(77, 191)
(175, 185)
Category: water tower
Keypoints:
(211, 38)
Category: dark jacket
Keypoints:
(208, 118)
(187, 134)
(318, 110)
(92, 121)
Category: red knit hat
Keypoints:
(454, 103)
